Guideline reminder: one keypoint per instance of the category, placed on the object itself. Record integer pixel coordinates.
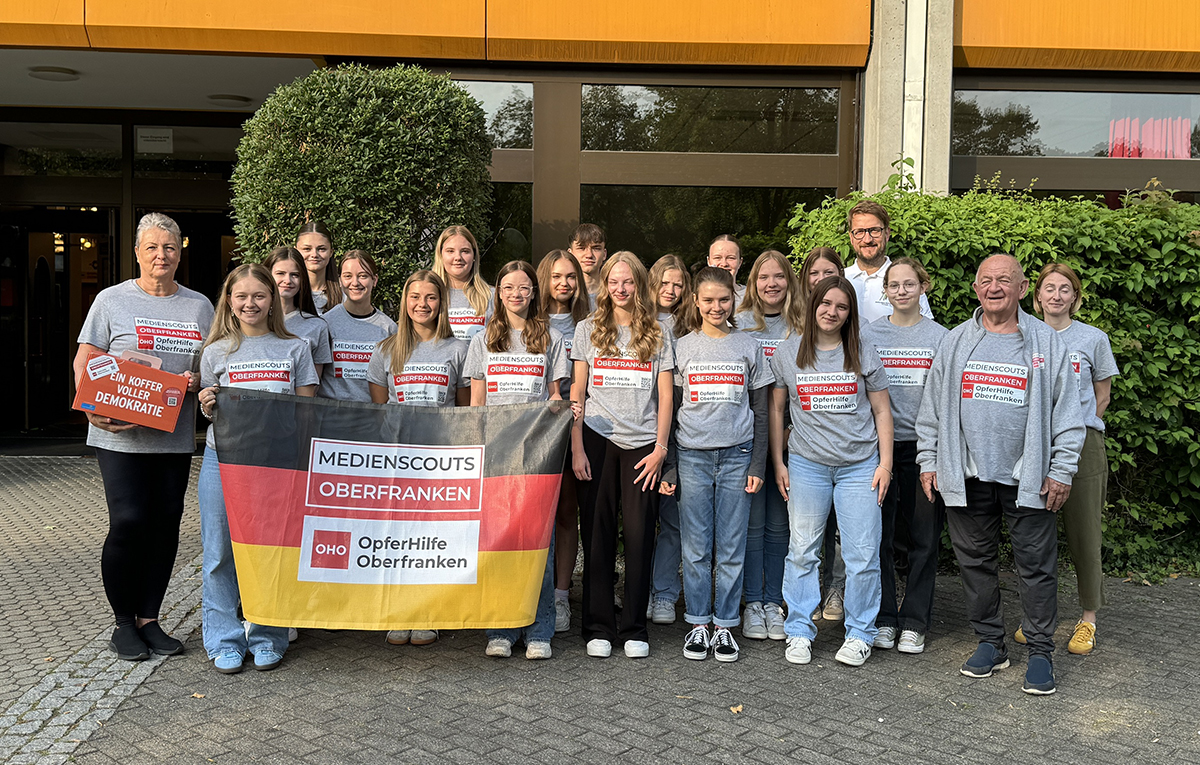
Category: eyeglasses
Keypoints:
(903, 286)
(524, 290)
(874, 231)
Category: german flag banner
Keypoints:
(358, 516)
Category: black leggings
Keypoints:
(145, 505)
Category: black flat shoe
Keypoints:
(127, 645)
(158, 641)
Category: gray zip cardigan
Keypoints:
(1054, 432)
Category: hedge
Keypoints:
(1139, 265)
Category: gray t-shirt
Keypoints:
(124, 317)
(514, 376)
(315, 331)
(352, 341)
(716, 376)
(994, 407)
(907, 356)
(622, 392)
(668, 321)
(832, 421)
(319, 300)
(267, 362)
(565, 324)
(464, 322)
(431, 377)
(1093, 361)
(774, 330)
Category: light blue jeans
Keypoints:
(766, 543)
(714, 510)
(542, 628)
(223, 630)
(664, 582)
(848, 488)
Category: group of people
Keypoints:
(777, 452)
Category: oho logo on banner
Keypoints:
(363, 551)
(330, 549)
(356, 475)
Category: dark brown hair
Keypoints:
(304, 299)
(536, 334)
(806, 357)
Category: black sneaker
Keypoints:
(986, 660)
(158, 641)
(127, 645)
(695, 645)
(1039, 676)
(724, 647)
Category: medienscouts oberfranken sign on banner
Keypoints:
(357, 516)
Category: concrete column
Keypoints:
(556, 143)
(907, 89)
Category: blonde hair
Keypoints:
(477, 291)
(225, 324)
(580, 304)
(645, 334)
(1062, 269)
(793, 301)
(536, 335)
(400, 346)
(680, 310)
(817, 253)
(706, 275)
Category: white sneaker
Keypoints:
(423, 637)
(854, 652)
(799, 650)
(398, 637)
(816, 614)
(499, 647)
(562, 615)
(695, 643)
(599, 648)
(775, 620)
(637, 649)
(911, 641)
(538, 649)
(885, 638)
(662, 611)
(724, 647)
(754, 622)
(293, 634)
(834, 609)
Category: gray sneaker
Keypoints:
(775, 620)
(885, 638)
(854, 652)
(911, 641)
(562, 615)
(662, 611)
(754, 622)
(834, 610)
(799, 650)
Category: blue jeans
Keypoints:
(766, 543)
(664, 582)
(542, 628)
(223, 630)
(714, 509)
(848, 488)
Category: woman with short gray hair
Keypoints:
(145, 471)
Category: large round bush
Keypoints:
(385, 157)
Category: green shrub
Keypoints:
(387, 158)
(1140, 267)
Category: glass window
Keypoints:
(655, 220)
(510, 227)
(46, 148)
(187, 153)
(509, 110)
(1061, 124)
(752, 120)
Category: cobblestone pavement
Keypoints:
(347, 696)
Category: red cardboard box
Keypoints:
(129, 389)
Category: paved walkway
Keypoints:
(347, 696)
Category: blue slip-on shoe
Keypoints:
(264, 660)
(1039, 676)
(228, 663)
(986, 660)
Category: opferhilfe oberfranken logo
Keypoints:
(330, 549)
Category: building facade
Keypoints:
(664, 122)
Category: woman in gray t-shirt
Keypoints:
(315, 245)
(839, 453)
(355, 328)
(456, 262)
(299, 312)
(249, 348)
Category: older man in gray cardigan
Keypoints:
(999, 435)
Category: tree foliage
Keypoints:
(387, 158)
(1139, 269)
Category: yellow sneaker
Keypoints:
(1019, 636)
(1083, 639)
